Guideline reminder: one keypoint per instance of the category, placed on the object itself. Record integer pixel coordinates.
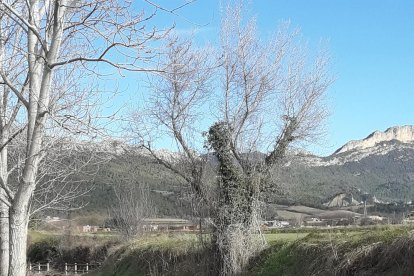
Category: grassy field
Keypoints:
(384, 250)
(343, 251)
(272, 238)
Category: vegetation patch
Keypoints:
(342, 251)
(58, 250)
(351, 252)
(161, 254)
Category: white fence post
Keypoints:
(77, 268)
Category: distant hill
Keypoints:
(169, 194)
(381, 164)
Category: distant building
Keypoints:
(409, 219)
(52, 219)
(150, 227)
(313, 222)
(86, 229)
(376, 218)
(271, 224)
(169, 224)
(94, 229)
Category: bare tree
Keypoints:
(269, 98)
(131, 207)
(41, 41)
(175, 109)
(65, 176)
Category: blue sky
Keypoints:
(371, 44)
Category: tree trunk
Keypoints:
(234, 244)
(18, 243)
(236, 234)
(4, 209)
(4, 239)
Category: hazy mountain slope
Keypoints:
(168, 192)
(388, 176)
(381, 164)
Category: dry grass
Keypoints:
(363, 251)
(369, 251)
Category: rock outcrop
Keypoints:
(404, 134)
(342, 200)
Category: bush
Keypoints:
(57, 252)
(44, 250)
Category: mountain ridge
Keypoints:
(404, 134)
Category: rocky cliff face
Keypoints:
(395, 139)
(404, 134)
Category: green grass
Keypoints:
(284, 237)
(178, 242)
(38, 236)
(290, 252)
(320, 251)
(157, 254)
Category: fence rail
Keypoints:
(68, 269)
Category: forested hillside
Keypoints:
(389, 176)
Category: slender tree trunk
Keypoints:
(18, 242)
(19, 210)
(4, 209)
(40, 76)
(4, 239)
